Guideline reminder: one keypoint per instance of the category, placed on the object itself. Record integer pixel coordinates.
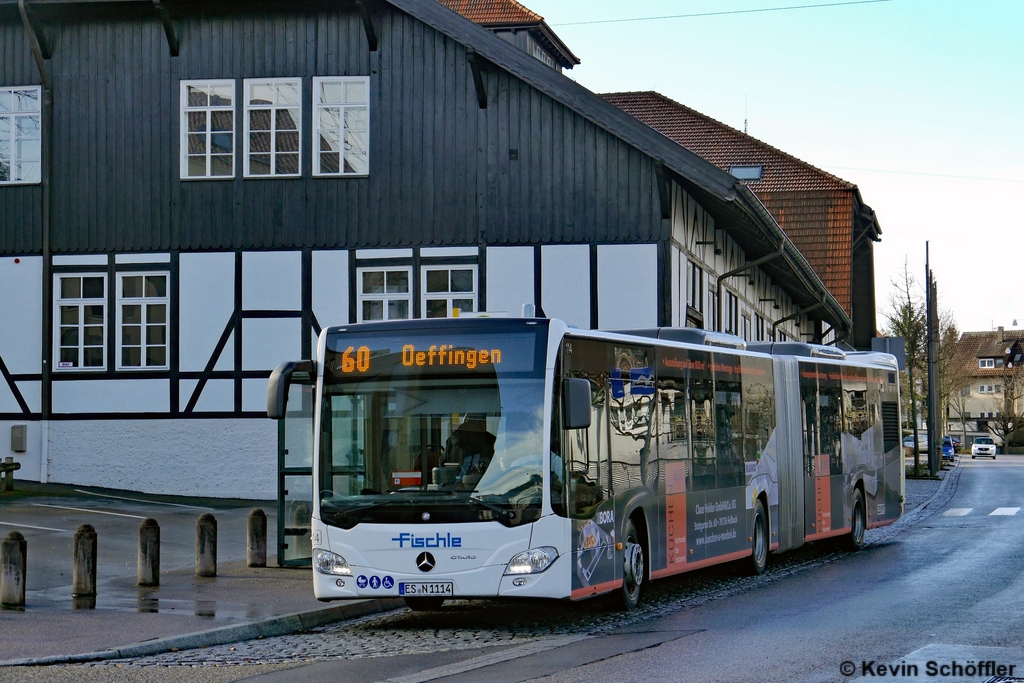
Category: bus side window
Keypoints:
(559, 442)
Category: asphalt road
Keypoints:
(946, 590)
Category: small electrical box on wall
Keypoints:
(18, 433)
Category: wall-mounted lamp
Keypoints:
(796, 323)
(775, 304)
(718, 251)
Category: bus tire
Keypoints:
(858, 523)
(759, 541)
(424, 604)
(633, 568)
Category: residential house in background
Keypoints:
(825, 216)
(987, 365)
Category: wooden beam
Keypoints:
(173, 39)
(477, 65)
(371, 35)
(664, 188)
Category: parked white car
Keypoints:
(983, 446)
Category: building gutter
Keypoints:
(792, 316)
(741, 269)
(41, 52)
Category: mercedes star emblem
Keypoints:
(425, 562)
(425, 516)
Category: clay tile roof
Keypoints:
(494, 12)
(992, 344)
(725, 146)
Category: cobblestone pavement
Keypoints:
(464, 624)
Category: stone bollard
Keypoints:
(149, 553)
(206, 545)
(256, 544)
(83, 574)
(12, 570)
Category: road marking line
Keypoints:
(29, 526)
(480, 662)
(1004, 511)
(138, 500)
(98, 512)
(956, 512)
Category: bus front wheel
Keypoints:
(633, 568)
(759, 541)
(424, 604)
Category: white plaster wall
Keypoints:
(509, 279)
(627, 286)
(330, 287)
(268, 342)
(224, 458)
(111, 396)
(30, 391)
(272, 280)
(30, 459)
(21, 313)
(207, 284)
(8, 404)
(432, 252)
(254, 394)
(218, 395)
(565, 283)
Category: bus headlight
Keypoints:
(327, 562)
(532, 561)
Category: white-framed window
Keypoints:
(80, 321)
(384, 293)
(710, 320)
(986, 363)
(20, 139)
(446, 288)
(759, 327)
(207, 129)
(732, 313)
(273, 112)
(341, 126)
(695, 285)
(746, 327)
(142, 310)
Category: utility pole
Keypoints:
(932, 326)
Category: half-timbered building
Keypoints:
(190, 192)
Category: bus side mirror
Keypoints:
(281, 380)
(576, 403)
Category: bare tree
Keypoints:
(907, 320)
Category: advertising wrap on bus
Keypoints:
(444, 466)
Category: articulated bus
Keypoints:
(499, 457)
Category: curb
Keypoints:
(274, 626)
(912, 517)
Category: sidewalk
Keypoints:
(185, 611)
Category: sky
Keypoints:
(918, 102)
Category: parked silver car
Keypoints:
(983, 446)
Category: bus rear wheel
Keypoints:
(633, 568)
(858, 525)
(424, 604)
(759, 541)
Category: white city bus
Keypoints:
(483, 458)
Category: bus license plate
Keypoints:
(440, 588)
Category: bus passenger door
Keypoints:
(295, 475)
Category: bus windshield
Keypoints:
(432, 425)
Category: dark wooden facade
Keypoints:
(527, 169)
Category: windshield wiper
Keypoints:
(503, 513)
